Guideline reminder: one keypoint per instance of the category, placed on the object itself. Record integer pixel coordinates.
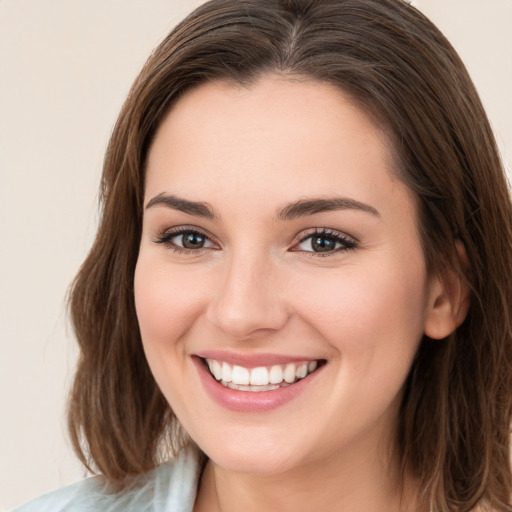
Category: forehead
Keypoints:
(276, 139)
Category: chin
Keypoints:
(255, 463)
(254, 455)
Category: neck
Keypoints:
(364, 481)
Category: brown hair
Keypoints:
(454, 423)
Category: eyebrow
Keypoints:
(304, 207)
(300, 208)
(197, 208)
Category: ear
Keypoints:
(448, 299)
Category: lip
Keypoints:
(246, 401)
(251, 360)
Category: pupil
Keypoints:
(193, 241)
(322, 244)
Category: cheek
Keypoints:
(167, 307)
(373, 323)
(166, 303)
(363, 308)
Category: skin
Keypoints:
(257, 286)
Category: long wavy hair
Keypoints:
(454, 422)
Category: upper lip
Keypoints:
(252, 360)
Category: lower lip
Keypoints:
(251, 401)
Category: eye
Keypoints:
(182, 240)
(325, 242)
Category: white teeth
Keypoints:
(215, 368)
(268, 387)
(240, 375)
(276, 374)
(259, 376)
(302, 371)
(226, 372)
(289, 373)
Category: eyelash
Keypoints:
(346, 243)
(166, 236)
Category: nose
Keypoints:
(249, 301)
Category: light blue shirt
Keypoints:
(171, 487)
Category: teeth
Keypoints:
(302, 371)
(240, 375)
(276, 375)
(289, 373)
(226, 372)
(215, 368)
(268, 387)
(260, 378)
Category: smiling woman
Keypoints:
(329, 296)
(299, 294)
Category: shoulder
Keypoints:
(75, 497)
(171, 486)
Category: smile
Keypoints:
(261, 378)
(257, 383)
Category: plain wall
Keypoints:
(65, 68)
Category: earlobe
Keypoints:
(449, 300)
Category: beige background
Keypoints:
(65, 68)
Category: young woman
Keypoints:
(299, 297)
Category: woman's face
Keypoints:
(276, 239)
